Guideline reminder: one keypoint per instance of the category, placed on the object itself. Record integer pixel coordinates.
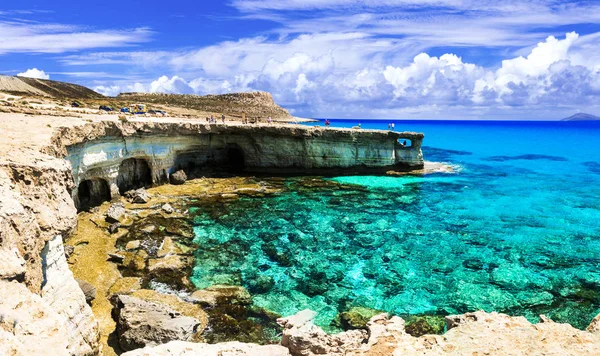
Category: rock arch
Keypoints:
(91, 193)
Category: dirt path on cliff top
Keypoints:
(22, 136)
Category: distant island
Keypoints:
(581, 117)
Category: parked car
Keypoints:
(105, 108)
(75, 104)
(125, 110)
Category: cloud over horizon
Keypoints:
(349, 58)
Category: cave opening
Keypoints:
(235, 158)
(91, 193)
(211, 162)
(134, 173)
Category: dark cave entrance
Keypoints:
(212, 162)
(134, 173)
(235, 159)
(92, 192)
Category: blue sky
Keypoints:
(455, 59)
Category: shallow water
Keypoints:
(516, 230)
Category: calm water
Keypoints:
(517, 230)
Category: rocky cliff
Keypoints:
(110, 158)
(43, 309)
(44, 302)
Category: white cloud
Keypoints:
(112, 90)
(58, 38)
(350, 75)
(34, 73)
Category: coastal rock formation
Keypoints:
(472, 333)
(234, 348)
(36, 211)
(142, 323)
(124, 156)
(28, 325)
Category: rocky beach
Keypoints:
(100, 252)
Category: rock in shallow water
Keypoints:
(218, 294)
(138, 196)
(115, 213)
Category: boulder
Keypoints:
(141, 323)
(133, 245)
(168, 248)
(172, 263)
(220, 294)
(138, 196)
(167, 208)
(115, 213)
(178, 177)
(88, 290)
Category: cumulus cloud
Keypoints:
(34, 73)
(331, 82)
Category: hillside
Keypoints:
(255, 104)
(581, 117)
(47, 88)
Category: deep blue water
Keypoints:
(516, 230)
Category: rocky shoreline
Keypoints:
(44, 309)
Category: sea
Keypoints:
(516, 229)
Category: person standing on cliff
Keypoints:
(393, 128)
(223, 118)
(389, 127)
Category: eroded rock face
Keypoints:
(29, 326)
(141, 323)
(128, 155)
(36, 210)
(181, 348)
(302, 337)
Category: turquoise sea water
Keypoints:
(516, 230)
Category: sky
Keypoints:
(403, 59)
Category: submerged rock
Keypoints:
(178, 177)
(141, 323)
(425, 325)
(357, 317)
